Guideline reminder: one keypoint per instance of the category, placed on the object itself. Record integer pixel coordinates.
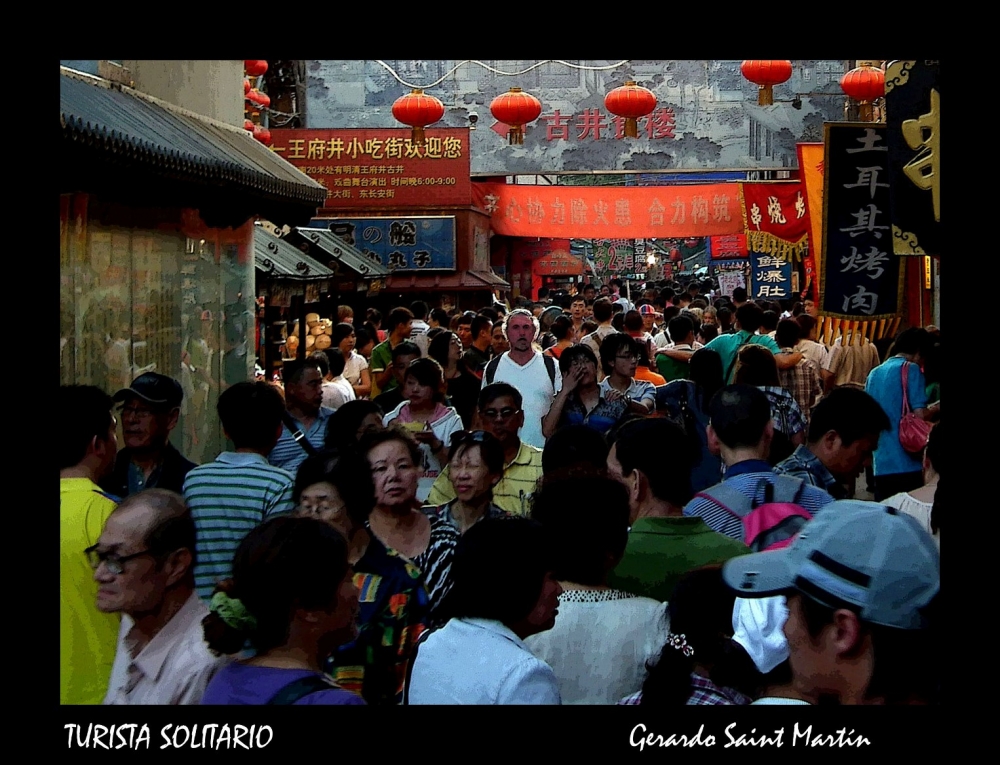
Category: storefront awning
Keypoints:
(339, 250)
(117, 140)
(463, 280)
(281, 261)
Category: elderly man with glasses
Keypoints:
(501, 415)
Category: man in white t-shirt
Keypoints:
(535, 376)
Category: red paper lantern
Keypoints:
(515, 108)
(258, 99)
(864, 84)
(248, 125)
(675, 255)
(246, 86)
(418, 110)
(262, 134)
(255, 67)
(766, 74)
(630, 101)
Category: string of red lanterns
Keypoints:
(255, 100)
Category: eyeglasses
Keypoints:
(504, 414)
(469, 437)
(113, 562)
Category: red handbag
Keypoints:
(913, 431)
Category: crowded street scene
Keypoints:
(403, 383)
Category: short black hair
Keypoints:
(680, 327)
(405, 348)
(612, 345)
(913, 340)
(396, 317)
(561, 326)
(337, 362)
(750, 317)
(490, 393)
(322, 361)
(490, 313)
(342, 427)
(739, 294)
(479, 323)
(603, 309)
(577, 351)
(851, 413)
(661, 450)
(85, 414)
(769, 321)
(739, 414)
(787, 333)
(587, 518)
(439, 315)
(574, 449)
(250, 413)
(292, 370)
(348, 472)
(419, 309)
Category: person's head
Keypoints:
(475, 464)
(351, 421)
(933, 453)
(419, 309)
(250, 413)
(498, 339)
(146, 551)
(403, 354)
(809, 307)
(681, 330)
(616, 285)
(913, 342)
(724, 316)
(574, 450)
(335, 487)
(500, 412)
(482, 331)
(521, 329)
(649, 316)
(768, 321)
(303, 385)
(633, 323)
(755, 365)
(445, 348)
(787, 333)
(603, 310)
(620, 354)
(700, 612)
(652, 458)
(291, 586)
(562, 328)
(373, 316)
(345, 314)
(150, 410)
(581, 356)
(577, 307)
(536, 309)
(463, 328)
(707, 333)
(739, 418)
(87, 435)
(364, 342)
(321, 360)
(438, 317)
(485, 585)
(807, 326)
(739, 295)
(548, 316)
(395, 461)
(589, 293)
(749, 317)
(489, 313)
(399, 323)
(587, 518)
(343, 337)
(708, 316)
(844, 430)
(424, 384)
(605, 290)
(706, 371)
(861, 581)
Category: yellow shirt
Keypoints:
(87, 637)
(512, 494)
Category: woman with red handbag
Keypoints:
(897, 461)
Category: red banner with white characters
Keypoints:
(730, 247)
(611, 212)
(775, 218)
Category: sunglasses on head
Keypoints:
(469, 437)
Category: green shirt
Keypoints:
(661, 550)
(727, 346)
(381, 360)
(673, 369)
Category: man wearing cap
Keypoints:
(150, 411)
(861, 584)
(649, 316)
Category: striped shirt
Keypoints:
(288, 453)
(749, 478)
(228, 498)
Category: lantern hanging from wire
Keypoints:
(515, 108)
(766, 74)
(258, 99)
(255, 67)
(262, 134)
(864, 84)
(248, 125)
(418, 110)
(246, 86)
(630, 101)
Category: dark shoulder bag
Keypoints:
(297, 434)
(299, 689)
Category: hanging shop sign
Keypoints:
(862, 278)
(401, 244)
(811, 170)
(610, 212)
(775, 218)
(913, 125)
(728, 247)
(770, 277)
(730, 279)
(371, 169)
(613, 257)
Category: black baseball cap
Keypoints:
(154, 388)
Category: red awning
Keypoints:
(463, 280)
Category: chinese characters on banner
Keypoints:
(610, 212)
(728, 247)
(371, 169)
(770, 277)
(419, 243)
(862, 277)
(776, 220)
(596, 125)
(730, 275)
(614, 257)
(811, 169)
(913, 125)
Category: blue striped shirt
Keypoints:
(228, 498)
(288, 454)
(749, 478)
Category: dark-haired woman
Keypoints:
(343, 339)
(562, 330)
(701, 627)
(463, 386)
(475, 466)
(479, 655)
(755, 365)
(351, 422)
(293, 597)
(687, 401)
(920, 503)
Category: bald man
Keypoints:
(144, 568)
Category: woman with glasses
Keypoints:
(463, 386)
(619, 359)
(475, 466)
(581, 401)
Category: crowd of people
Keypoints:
(580, 500)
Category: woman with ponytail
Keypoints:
(292, 598)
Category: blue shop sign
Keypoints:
(401, 244)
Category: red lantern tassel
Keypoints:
(866, 112)
(515, 134)
(417, 135)
(765, 96)
(631, 127)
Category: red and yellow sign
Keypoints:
(611, 212)
(776, 220)
(811, 168)
(372, 169)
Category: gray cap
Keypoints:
(858, 555)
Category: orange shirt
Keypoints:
(648, 375)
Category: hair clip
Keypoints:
(680, 643)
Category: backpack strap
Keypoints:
(787, 488)
(550, 367)
(298, 689)
(409, 665)
(736, 357)
(734, 502)
(491, 370)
